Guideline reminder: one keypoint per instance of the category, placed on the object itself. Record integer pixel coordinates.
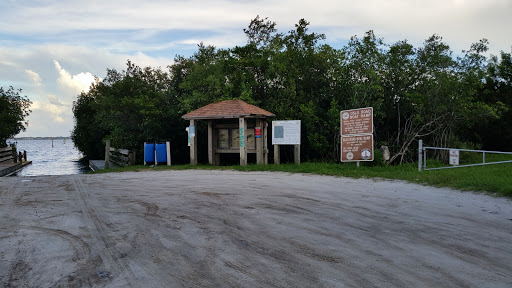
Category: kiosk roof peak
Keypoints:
(228, 109)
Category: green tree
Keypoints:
(130, 107)
(87, 133)
(495, 133)
(14, 108)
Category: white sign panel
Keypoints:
(454, 157)
(286, 132)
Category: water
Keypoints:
(62, 159)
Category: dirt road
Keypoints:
(236, 229)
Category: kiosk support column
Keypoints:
(243, 140)
(193, 143)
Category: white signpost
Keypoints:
(286, 132)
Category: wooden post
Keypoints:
(193, 144)
(144, 152)
(259, 142)
(131, 157)
(14, 155)
(168, 148)
(243, 141)
(277, 158)
(420, 155)
(216, 156)
(265, 140)
(25, 155)
(296, 154)
(107, 154)
(211, 155)
(155, 155)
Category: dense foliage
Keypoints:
(14, 108)
(417, 92)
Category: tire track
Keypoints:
(81, 248)
(113, 265)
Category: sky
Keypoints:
(53, 49)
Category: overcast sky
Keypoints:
(53, 49)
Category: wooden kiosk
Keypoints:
(234, 126)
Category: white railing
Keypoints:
(422, 157)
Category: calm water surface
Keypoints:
(61, 159)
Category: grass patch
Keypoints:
(493, 179)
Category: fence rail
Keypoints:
(6, 154)
(422, 157)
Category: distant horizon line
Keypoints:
(39, 137)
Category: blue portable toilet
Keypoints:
(149, 152)
(161, 153)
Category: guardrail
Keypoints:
(422, 157)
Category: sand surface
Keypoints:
(248, 229)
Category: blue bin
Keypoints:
(149, 152)
(161, 153)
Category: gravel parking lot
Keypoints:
(201, 228)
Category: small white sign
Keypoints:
(286, 132)
(454, 157)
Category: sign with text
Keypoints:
(257, 132)
(357, 121)
(357, 148)
(286, 132)
(454, 157)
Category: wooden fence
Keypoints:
(122, 157)
(6, 154)
(118, 156)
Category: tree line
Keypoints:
(417, 92)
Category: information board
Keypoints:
(357, 121)
(286, 132)
(357, 148)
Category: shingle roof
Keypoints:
(228, 109)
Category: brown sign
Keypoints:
(357, 148)
(357, 121)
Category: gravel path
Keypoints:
(248, 229)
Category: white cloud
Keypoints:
(56, 112)
(54, 100)
(34, 77)
(78, 83)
